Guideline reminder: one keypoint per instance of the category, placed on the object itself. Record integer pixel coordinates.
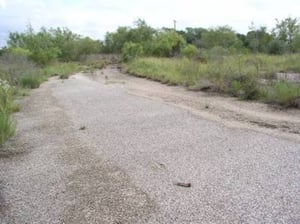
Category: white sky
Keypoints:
(95, 17)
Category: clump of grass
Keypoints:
(7, 125)
(63, 70)
(30, 81)
(64, 76)
(6, 97)
(169, 71)
(97, 64)
(15, 107)
(245, 87)
(282, 93)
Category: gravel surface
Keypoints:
(89, 152)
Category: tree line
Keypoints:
(48, 45)
(62, 44)
(283, 38)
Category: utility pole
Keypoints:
(174, 24)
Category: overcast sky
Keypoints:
(95, 17)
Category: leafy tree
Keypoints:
(42, 47)
(66, 41)
(258, 39)
(141, 33)
(222, 36)
(243, 39)
(193, 36)
(276, 46)
(49, 45)
(286, 30)
(167, 43)
(89, 46)
(114, 41)
(296, 43)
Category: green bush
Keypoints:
(7, 127)
(189, 51)
(131, 51)
(276, 47)
(167, 43)
(30, 81)
(283, 93)
(296, 43)
(18, 51)
(6, 97)
(245, 87)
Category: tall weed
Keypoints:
(7, 125)
(238, 75)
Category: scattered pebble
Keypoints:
(82, 128)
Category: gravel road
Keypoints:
(90, 152)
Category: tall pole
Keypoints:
(174, 24)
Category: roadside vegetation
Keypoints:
(246, 76)
(261, 65)
(7, 106)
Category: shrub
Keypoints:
(7, 127)
(167, 43)
(131, 51)
(296, 43)
(189, 51)
(283, 93)
(276, 47)
(246, 87)
(30, 81)
(216, 53)
(6, 93)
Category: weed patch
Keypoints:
(30, 81)
(283, 93)
(237, 75)
(7, 125)
(63, 70)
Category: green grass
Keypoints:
(63, 70)
(30, 81)
(7, 107)
(238, 75)
(282, 93)
(7, 127)
(169, 71)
